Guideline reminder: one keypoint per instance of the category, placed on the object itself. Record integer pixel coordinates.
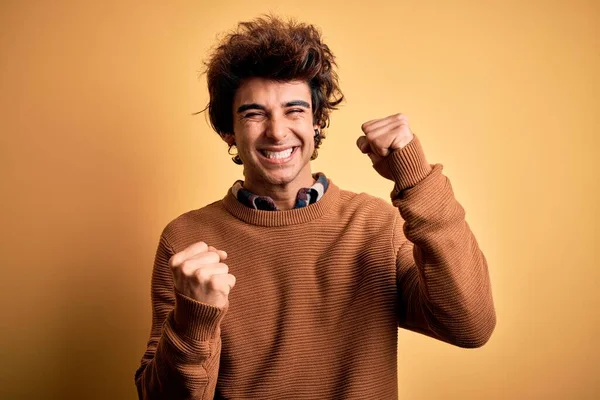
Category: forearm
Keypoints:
(444, 284)
(443, 278)
(179, 370)
(182, 359)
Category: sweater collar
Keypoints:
(305, 196)
(283, 217)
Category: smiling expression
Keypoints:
(274, 132)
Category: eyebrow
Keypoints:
(296, 103)
(255, 106)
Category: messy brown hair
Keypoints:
(271, 48)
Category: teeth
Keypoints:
(279, 154)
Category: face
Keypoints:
(274, 132)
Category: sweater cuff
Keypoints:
(406, 166)
(196, 320)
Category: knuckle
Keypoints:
(203, 275)
(213, 257)
(185, 266)
(198, 247)
(207, 258)
(396, 128)
(215, 283)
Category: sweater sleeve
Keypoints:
(443, 282)
(182, 356)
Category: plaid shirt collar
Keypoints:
(305, 196)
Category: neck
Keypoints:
(283, 194)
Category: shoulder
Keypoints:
(372, 219)
(366, 207)
(365, 201)
(194, 220)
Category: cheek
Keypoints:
(250, 128)
(246, 142)
(245, 133)
(304, 129)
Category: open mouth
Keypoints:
(279, 156)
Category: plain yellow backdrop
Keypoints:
(99, 151)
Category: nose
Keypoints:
(276, 129)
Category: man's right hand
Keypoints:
(199, 273)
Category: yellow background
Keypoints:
(99, 151)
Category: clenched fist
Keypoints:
(383, 136)
(199, 273)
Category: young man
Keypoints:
(290, 287)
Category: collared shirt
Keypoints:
(305, 196)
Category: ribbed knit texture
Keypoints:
(320, 292)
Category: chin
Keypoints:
(279, 177)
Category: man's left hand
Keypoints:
(384, 136)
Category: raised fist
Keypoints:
(383, 136)
(199, 273)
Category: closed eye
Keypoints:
(252, 114)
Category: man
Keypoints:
(290, 287)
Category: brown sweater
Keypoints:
(320, 293)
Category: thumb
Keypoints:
(363, 144)
(374, 157)
(222, 254)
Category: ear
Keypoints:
(228, 138)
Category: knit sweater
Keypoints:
(320, 293)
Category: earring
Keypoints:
(317, 139)
(236, 158)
